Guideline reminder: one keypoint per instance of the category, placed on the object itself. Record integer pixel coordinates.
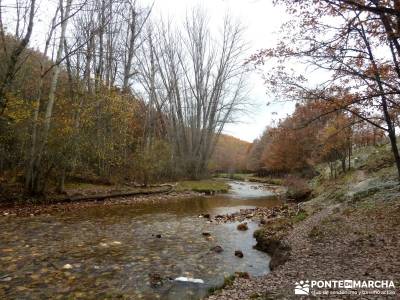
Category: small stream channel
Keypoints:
(109, 252)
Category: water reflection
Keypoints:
(114, 250)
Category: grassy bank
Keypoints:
(207, 186)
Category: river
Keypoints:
(106, 252)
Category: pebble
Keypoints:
(188, 279)
(239, 254)
(67, 267)
(6, 279)
(242, 226)
(217, 249)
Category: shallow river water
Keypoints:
(117, 252)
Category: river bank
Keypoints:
(83, 195)
(34, 209)
(349, 230)
(132, 248)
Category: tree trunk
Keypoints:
(35, 179)
(344, 164)
(29, 172)
(349, 155)
(61, 182)
(392, 136)
(390, 127)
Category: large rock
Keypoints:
(298, 189)
(298, 195)
(271, 239)
(242, 226)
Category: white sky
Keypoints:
(262, 21)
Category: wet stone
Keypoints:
(217, 249)
(155, 280)
(242, 226)
(239, 253)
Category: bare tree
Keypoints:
(135, 21)
(33, 180)
(199, 86)
(35, 121)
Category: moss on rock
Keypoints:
(270, 239)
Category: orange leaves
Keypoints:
(335, 138)
(310, 135)
(290, 144)
(230, 154)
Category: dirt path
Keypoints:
(358, 242)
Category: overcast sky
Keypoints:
(261, 21)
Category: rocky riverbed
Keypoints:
(129, 247)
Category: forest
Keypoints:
(114, 95)
(106, 100)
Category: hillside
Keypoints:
(350, 229)
(230, 154)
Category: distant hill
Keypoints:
(230, 154)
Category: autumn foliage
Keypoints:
(347, 57)
(307, 138)
(230, 155)
(90, 137)
(114, 95)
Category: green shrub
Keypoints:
(203, 186)
(300, 217)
